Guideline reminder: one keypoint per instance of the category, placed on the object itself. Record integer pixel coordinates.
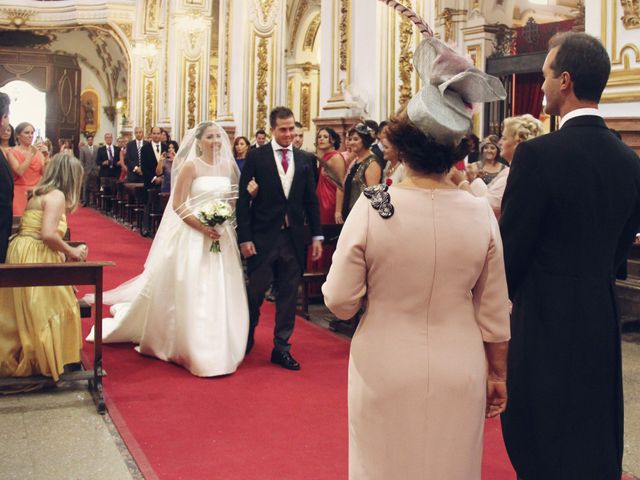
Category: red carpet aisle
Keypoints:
(261, 423)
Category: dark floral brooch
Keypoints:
(380, 199)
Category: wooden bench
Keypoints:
(331, 233)
(52, 274)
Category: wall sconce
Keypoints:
(145, 49)
(192, 23)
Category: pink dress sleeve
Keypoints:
(490, 295)
(346, 282)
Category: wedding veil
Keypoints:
(217, 162)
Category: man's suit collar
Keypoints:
(585, 121)
(580, 112)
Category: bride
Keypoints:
(189, 305)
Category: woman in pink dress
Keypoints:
(27, 164)
(428, 359)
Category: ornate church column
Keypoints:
(251, 63)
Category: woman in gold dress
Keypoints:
(40, 330)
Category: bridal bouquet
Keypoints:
(214, 214)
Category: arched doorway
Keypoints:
(58, 77)
(28, 104)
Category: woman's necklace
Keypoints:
(392, 169)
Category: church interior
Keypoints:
(78, 69)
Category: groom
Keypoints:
(271, 228)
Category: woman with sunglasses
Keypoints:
(363, 172)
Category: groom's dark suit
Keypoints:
(6, 205)
(275, 224)
(570, 211)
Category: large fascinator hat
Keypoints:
(451, 85)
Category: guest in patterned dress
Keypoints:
(364, 171)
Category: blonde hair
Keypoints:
(64, 172)
(523, 127)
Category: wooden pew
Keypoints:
(52, 274)
(331, 233)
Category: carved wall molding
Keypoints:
(149, 103)
(262, 83)
(226, 57)
(345, 33)
(152, 16)
(305, 104)
(405, 59)
(311, 34)
(631, 14)
(192, 85)
(264, 15)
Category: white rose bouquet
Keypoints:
(215, 214)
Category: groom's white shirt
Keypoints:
(580, 112)
(285, 178)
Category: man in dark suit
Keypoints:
(271, 228)
(133, 156)
(150, 155)
(88, 154)
(570, 211)
(107, 158)
(6, 184)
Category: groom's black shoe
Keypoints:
(285, 360)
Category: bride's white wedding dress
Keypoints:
(192, 306)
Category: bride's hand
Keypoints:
(211, 232)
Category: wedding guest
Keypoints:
(364, 170)
(488, 167)
(516, 130)
(164, 167)
(332, 171)
(394, 171)
(165, 137)
(7, 139)
(570, 211)
(40, 329)
(27, 163)
(240, 148)
(88, 154)
(108, 158)
(122, 143)
(261, 139)
(133, 156)
(375, 146)
(6, 182)
(428, 258)
(474, 154)
(298, 135)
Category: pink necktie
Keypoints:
(285, 164)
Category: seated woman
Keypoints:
(40, 330)
(516, 130)
(363, 172)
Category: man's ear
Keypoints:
(566, 82)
